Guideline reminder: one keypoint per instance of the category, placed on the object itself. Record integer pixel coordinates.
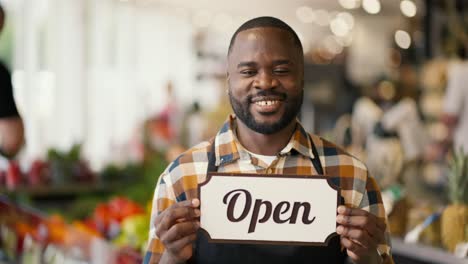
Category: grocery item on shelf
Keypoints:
(68, 166)
(455, 216)
(60, 168)
(29, 236)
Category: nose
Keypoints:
(265, 80)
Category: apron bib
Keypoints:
(226, 253)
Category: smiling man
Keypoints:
(266, 77)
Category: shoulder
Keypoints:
(338, 161)
(358, 188)
(192, 162)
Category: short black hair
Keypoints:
(266, 21)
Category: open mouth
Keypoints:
(267, 105)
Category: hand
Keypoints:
(176, 227)
(361, 232)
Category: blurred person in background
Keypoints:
(265, 76)
(389, 119)
(455, 106)
(11, 124)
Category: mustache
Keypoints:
(267, 93)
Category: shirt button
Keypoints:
(269, 171)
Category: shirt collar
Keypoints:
(228, 148)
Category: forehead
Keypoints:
(267, 41)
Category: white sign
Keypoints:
(269, 209)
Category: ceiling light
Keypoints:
(408, 8)
(402, 39)
(371, 6)
(339, 27)
(349, 4)
(347, 18)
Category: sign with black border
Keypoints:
(268, 209)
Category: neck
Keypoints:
(264, 144)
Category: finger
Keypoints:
(362, 222)
(178, 245)
(347, 211)
(173, 216)
(352, 211)
(179, 231)
(187, 203)
(359, 236)
(354, 250)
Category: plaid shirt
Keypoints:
(180, 180)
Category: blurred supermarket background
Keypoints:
(111, 90)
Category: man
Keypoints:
(11, 125)
(265, 76)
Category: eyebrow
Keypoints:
(253, 64)
(246, 64)
(281, 62)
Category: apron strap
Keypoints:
(316, 160)
(212, 159)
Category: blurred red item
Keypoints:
(38, 173)
(122, 208)
(91, 225)
(82, 172)
(13, 177)
(102, 217)
(128, 255)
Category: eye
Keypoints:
(281, 71)
(248, 72)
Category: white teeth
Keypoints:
(265, 103)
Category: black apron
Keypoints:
(226, 253)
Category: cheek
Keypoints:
(291, 85)
(239, 87)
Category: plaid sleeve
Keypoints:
(163, 198)
(372, 202)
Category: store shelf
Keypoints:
(40, 192)
(405, 253)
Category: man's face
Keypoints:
(265, 77)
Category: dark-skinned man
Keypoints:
(265, 76)
(11, 124)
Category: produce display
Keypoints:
(120, 226)
(59, 208)
(58, 169)
(455, 216)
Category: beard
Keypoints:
(292, 107)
